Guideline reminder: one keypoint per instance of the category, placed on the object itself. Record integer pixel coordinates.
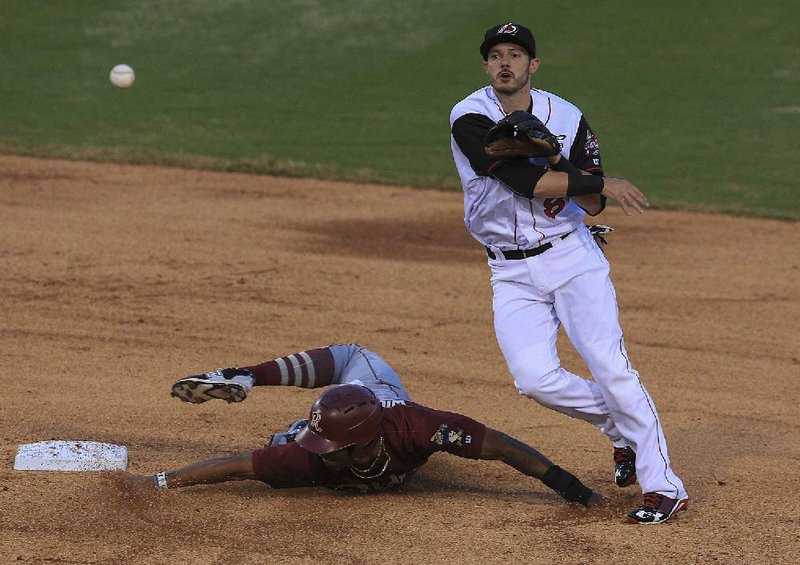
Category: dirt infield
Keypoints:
(116, 280)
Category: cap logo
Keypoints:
(507, 28)
(316, 416)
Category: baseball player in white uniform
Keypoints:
(547, 270)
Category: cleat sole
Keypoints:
(197, 391)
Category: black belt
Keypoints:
(515, 254)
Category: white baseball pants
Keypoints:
(570, 285)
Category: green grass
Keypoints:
(698, 106)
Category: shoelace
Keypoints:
(652, 501)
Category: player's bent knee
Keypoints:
(539, 385)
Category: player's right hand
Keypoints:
(624, 192)
(597, 500)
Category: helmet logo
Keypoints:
(316, 416)
(507, 28)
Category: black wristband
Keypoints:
(567, 485)
(578, 185)
(564, 165)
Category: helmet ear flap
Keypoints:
(343, 415)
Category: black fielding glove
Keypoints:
(520, 135)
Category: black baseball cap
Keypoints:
(508, 33)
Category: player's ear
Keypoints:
(534, 65)
(485, 65)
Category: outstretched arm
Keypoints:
(233, 468)
(525, 459)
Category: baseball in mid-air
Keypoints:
(122, 76)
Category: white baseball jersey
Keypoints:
(566, 284)
(498, 209)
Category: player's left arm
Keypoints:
(584, 157)
(498, 446)
(465, 437)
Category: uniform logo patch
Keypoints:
(316, 416)
(591, 147)
(507, 28)
(445, 435)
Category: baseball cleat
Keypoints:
(624, 466)
(657, 508)
(231, 385)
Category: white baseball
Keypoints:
(122, 76)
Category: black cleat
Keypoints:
(624, 466)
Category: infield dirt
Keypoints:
(117, 280)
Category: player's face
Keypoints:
(340, 459)
(352, 455)
(509, 68)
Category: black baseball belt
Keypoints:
(516, 254)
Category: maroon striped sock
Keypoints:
(306, 369)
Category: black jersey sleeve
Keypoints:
(585, 152)
(469, 132)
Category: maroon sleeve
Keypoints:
(288, 465)
(436, 430)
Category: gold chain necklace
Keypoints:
(365, 473)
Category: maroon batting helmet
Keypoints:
(343, 415)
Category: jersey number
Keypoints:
(552, 206)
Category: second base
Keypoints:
(61, 455)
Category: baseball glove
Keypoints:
(599, 231)
(520, 135)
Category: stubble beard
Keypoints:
(511, 89)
